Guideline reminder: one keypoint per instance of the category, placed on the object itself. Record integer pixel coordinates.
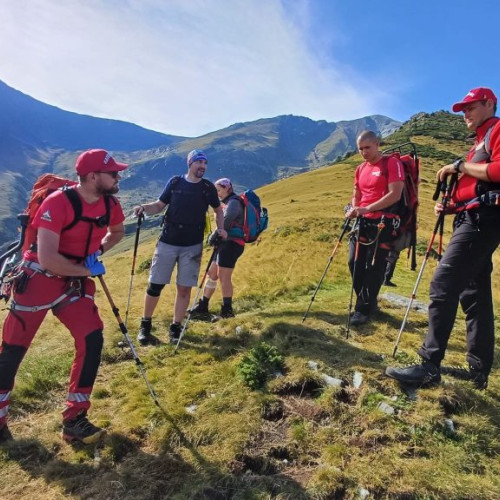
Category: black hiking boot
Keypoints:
(358, 319)
(5, 434)
(226, 312)
(200, 310)
(145, 337)
(479, 378)
(425, 374)
(390, 283)
(174, 332)
(80, 429)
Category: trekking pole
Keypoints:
(447, 191)
(15, 246)
(140, 218)
(345, 228)
(124, 331)
(200, 287)
(8, 259)
(380, 228)
(356, 255)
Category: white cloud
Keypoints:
(184, 67)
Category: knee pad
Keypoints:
(93, 348)
(10, 359)
(210, 283)
(154, 289)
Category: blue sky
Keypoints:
(189, 67)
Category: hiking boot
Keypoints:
(175, 332)
(479, 378)
(144, 336)
(389, 283)
(200, 310)
(226, 312)
(5, 434)
(358, 319)
(80, 429)
(426, 373)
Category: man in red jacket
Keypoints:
(464, 273)
(54, 275)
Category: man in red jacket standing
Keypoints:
(464, 273)
(54, 275)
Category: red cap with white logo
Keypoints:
(97, 160)
(479, 94)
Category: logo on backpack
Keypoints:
(255, 220)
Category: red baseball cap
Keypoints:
(97, 160)
(474, 95)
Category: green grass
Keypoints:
(294, 437)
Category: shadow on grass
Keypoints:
(292, 339)
(118, 468)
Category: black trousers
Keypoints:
(464, 276)
(367, 273)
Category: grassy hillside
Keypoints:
(295, 437)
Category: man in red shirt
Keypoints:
(464, 273)
(378, 185)
(54, 275)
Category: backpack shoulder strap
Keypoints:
(385, 166)
(109, 202)
(76, 204)
(487, 138)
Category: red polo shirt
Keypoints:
(373, 184)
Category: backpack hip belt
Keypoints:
(74, 285)
(34, 266)
(488, 199)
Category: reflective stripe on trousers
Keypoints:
(5, 396)
(4, 411)
(79, 397)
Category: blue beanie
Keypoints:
(196, 155)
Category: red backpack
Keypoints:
(45, 185)
(407, 206)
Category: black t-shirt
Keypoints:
(187, 205)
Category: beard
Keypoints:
(102, 191)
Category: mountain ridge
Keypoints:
(36, 138)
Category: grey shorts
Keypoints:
(188, 261)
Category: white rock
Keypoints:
(312, 365)
(363, 493)
(191, 408)
(386, 408)
(449, 425)
(238, 331)
(357, 380)
(332, 381)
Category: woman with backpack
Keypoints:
(228, 251)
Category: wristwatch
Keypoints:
(456, 165)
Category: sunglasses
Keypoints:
(112, 174)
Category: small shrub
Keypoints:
(259, 364)
(145, 265)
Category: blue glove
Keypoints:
(95, 266)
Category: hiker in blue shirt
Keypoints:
(181, 242)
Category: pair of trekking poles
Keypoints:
(446, 189)
(345, 228)
(123, 324)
